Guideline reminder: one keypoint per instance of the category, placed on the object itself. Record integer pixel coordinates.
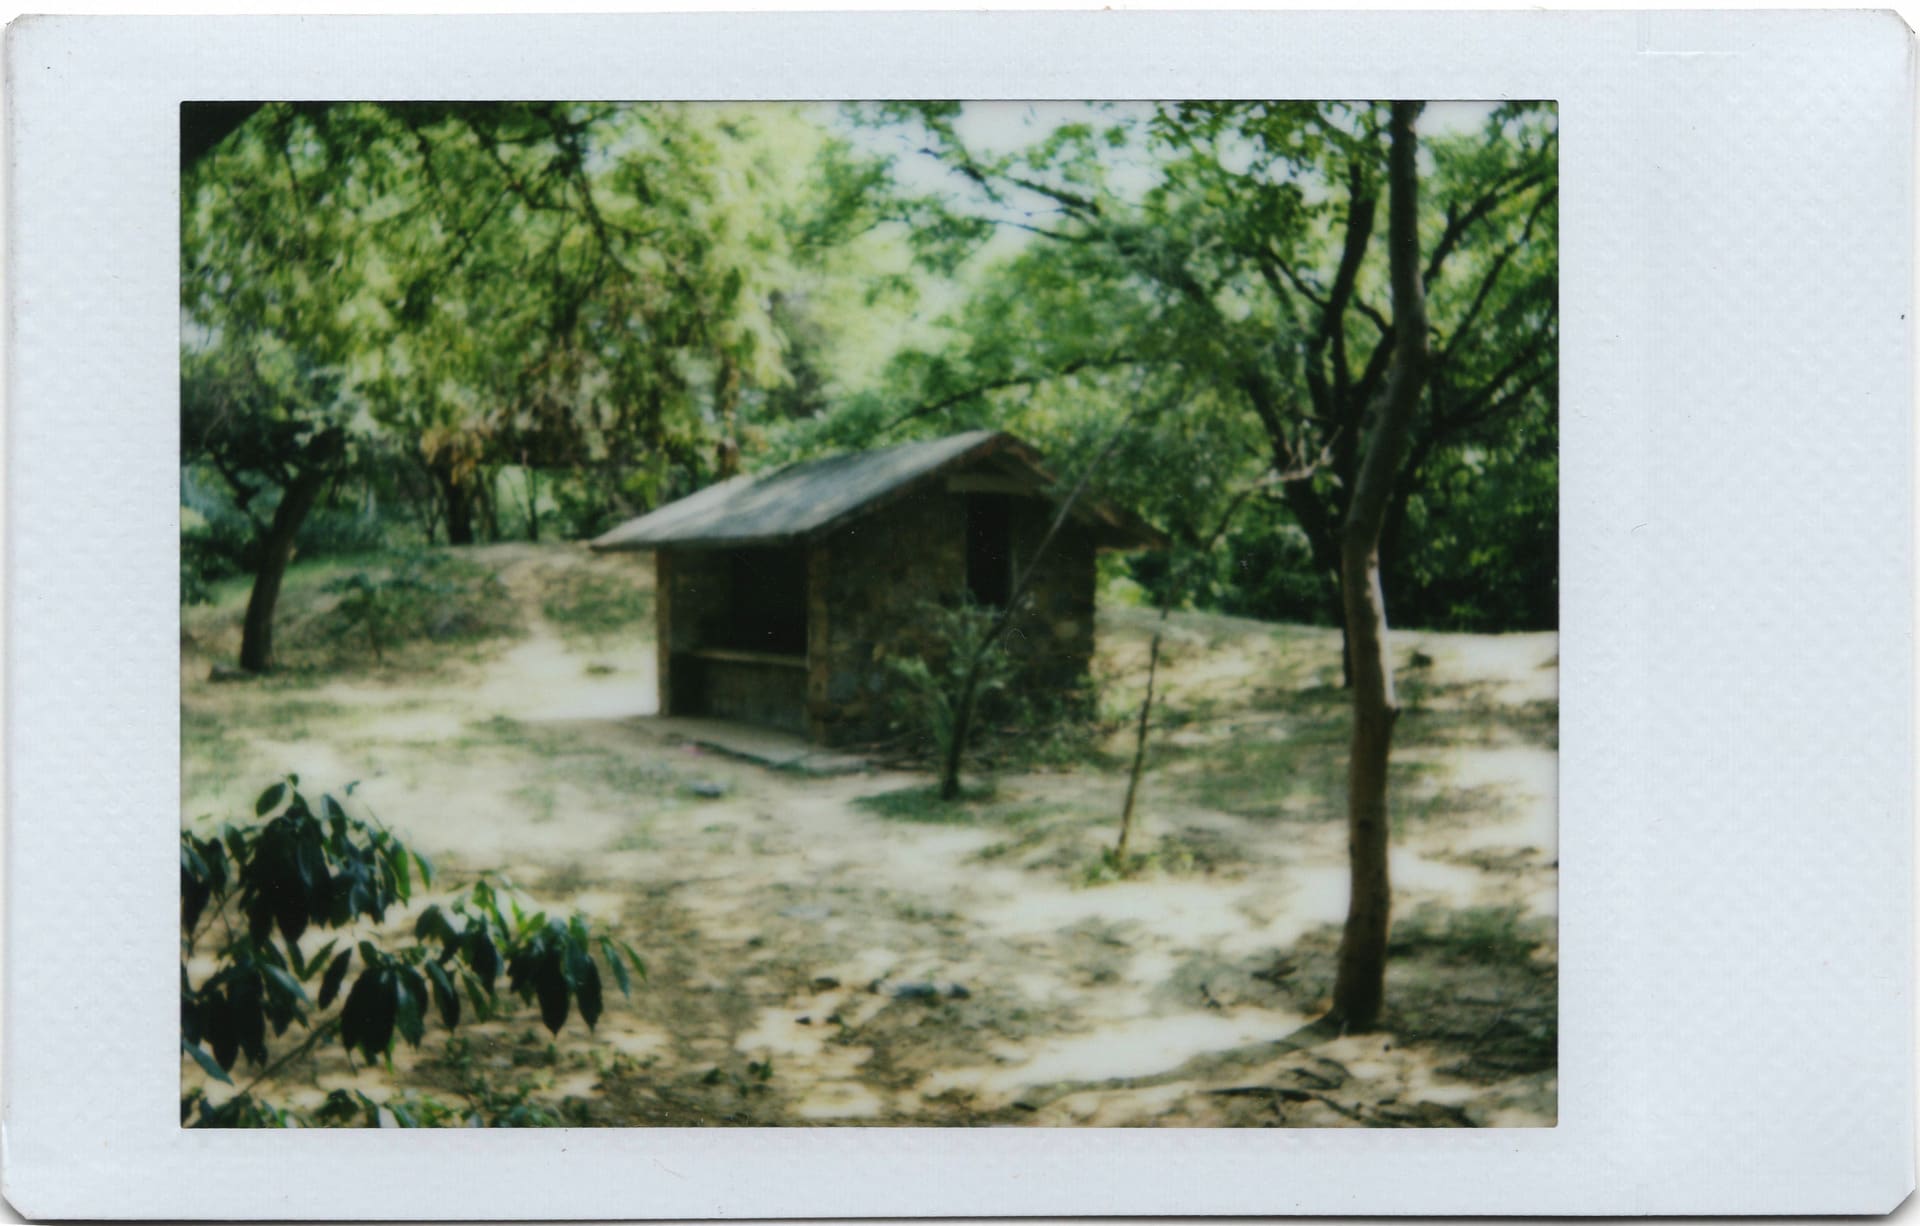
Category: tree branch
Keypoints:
(1024, 379)
(1492, 275)
(1458, 224)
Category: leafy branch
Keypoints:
(306, 865)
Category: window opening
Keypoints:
(990, 548)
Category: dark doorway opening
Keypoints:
(990, 548)
(768, 610)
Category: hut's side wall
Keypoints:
(693, 593)
(1055, 634)
(869, 586)
(663, 629)
(819, 641)
(873, 579)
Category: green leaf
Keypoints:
(619, 968)
(403, 876)
(218, 1028)
(444, 995)
(587, 990)
(320, 955)
(269, 800)
(206, 1062)
(483, 956)
(366, 1021)
(639, 967)
(426, 870)
(250, 1019)
(434, 925)
(330, 984)
(410, 1000)
(550, 984)
(476, 995)
(284, 982)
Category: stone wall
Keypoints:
(880, 572)
(872, 581)
(1055, 632)
(692, 588)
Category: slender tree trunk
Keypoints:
(1360, 981)
(256, 636)
(1140, 740)
(969, 686)
(1173, 593)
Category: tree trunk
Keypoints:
(256, 636)
(533, 501)
(489, 514)
(963, 721)
(459, 505)
(1360, 981)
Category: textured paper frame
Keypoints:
(1735, 808)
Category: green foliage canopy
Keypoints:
(1225, 257)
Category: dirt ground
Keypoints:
(836, 950)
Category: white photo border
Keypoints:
(1736, 723)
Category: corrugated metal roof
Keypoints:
(799, 499)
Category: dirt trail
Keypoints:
(816, 961)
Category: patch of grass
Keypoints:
(1485, 936)
(292, 718)
(1477, 721)
(594, 602)
(1110, 866)
(1189, 853)
(922, 804)
(1479, 985)
(1052, 731)
(1299, 775)
(1447, 807)
(1026, 841)
(211, 758)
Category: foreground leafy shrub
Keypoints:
(259, 889)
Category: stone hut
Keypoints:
(782, 596)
